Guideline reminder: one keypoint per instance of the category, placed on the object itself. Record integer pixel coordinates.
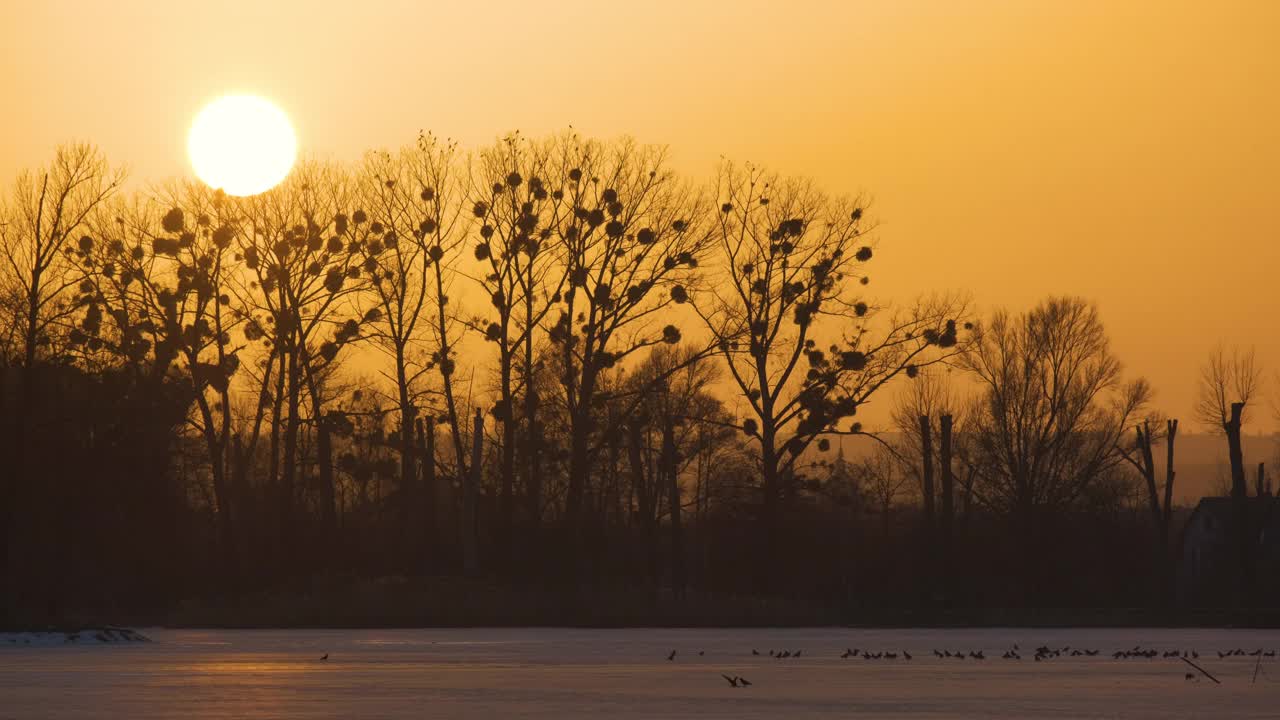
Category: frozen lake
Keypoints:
(558, 673)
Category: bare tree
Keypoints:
(522, 270)
(45, 210)
(155, 294)
(415, 195)
(40, 220)
(674, 422)
(442, 231)
(631, 240)
(881, 477)
(1227, 378)
(1051, 412)
(306, 257)
(790, 259)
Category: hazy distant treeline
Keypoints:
(548, 361)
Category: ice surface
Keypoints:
(621, 674)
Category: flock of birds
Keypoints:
(1040, 654)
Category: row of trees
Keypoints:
(550, 359)
(544, 288)
(1048, 426)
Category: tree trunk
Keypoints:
(430, 504)
(408, 463)
(646, 501)
(1239, 503)
(1166, 517)
(1149, 476)
(948, 502)
(771, 512)
(506, 510)
(324, 464)
(221, 492)
(1148, 468)
(290, 460)
(533, 474)
(930, 520)
(669, 472)
(1171, 432)
(580, 426)
(470, 491)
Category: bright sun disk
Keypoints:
(242, 144)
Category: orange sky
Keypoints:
(1126, 151)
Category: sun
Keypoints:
(242, 144)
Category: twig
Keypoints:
(1202, 670)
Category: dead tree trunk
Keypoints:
(1146, 465)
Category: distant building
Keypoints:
(1206, 573)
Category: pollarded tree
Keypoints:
(1229, 383)
(794, 332)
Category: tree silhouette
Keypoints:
(1228, 384)
(1051, 412)
(416, 198)
(522, 270)
(790, 261)
(42, 219)
(631, 241)
(225, 396)
(156, 297)
(306, 256)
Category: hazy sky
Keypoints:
(1124, 151)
